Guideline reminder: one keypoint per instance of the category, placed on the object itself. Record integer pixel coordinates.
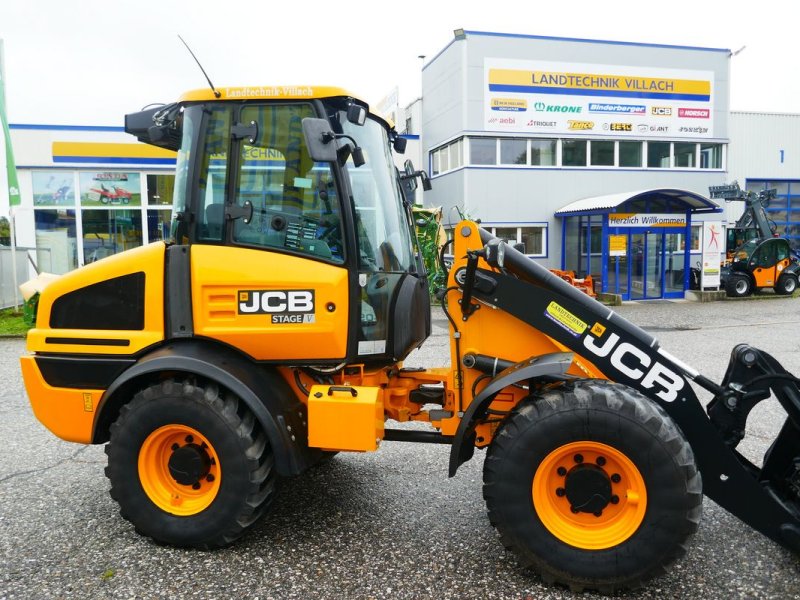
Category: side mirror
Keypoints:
(426, 182)
(399, 144)
(320, 140)
(495, 253)
(356, 114)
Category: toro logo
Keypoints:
(285, 306)
(661, 111)
(636, 364)
(581, 125)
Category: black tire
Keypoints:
(787, 284)
(738, 286)
(594, 414)
(234, 447)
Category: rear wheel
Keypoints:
(189, 465)
(787, 284)
(738, 286)
(593, 487)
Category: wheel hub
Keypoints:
(189, 464)
(588, 489)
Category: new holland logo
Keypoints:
(285, 306)
(581, 125)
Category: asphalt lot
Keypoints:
(382, 525)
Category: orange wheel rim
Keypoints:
(589, 495)
(179, 470)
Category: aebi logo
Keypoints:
(634, 363)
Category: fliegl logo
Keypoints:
(580, 125)
(285, 306)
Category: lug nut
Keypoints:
(574, 510)
(562, 471)
(189, 439)
(600, 461)
(175, 447)
(210, 478)
(579, 458)
(599, 513)
(560, 492)
(614, 499)
(196, 485)
(616, 478)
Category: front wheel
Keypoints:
(738, 286)
(593, 487)
(787, 284)
(189, 465)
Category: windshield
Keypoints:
(191, 117)
(744, 251)
(384, 236)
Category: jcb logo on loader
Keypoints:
(285, 306)
(628, 359)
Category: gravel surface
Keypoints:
(388, 524)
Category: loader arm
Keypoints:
(627, 354)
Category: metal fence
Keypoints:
(7, 284)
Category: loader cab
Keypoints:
(247, 179)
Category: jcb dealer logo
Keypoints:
(661, 111)
(285, 306)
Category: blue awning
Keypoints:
(692, 201)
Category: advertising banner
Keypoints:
(713, 248)
(646, 220)
(8, 154)
(612, 101)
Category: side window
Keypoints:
(212, 175)
(295, 204)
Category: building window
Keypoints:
(685, 154)
(159, 189)
(658, 155)
(56, 241)
(482, 151)
(447, 157)
(107, 232)
(543, 153)
(573, 153)
(110, 189)
(532, 237)
(513, 152)
(53, 188)
(630, 154)
(602, 153)
(710, 156)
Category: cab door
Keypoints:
(765, 264)
(268, 267)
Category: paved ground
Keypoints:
(383, 525)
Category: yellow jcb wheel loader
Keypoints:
(270, 332)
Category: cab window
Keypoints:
(295, 203)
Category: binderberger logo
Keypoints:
(285, 306)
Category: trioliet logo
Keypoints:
(285, 306)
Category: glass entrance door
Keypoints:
(647, 265)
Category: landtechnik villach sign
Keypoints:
(605, 100)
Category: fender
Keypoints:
(463, 447)
(264, 391)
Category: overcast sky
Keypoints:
(89, 62)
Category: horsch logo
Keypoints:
(694, 113)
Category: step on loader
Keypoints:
(270, 330)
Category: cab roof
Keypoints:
(277, 92)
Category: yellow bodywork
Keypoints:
(148, 260)
(345, 417)
(220, 274)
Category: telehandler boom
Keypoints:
(271, 329)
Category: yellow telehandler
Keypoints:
(270, 331)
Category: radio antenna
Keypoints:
(211, 85)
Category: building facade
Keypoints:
(535, 135)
